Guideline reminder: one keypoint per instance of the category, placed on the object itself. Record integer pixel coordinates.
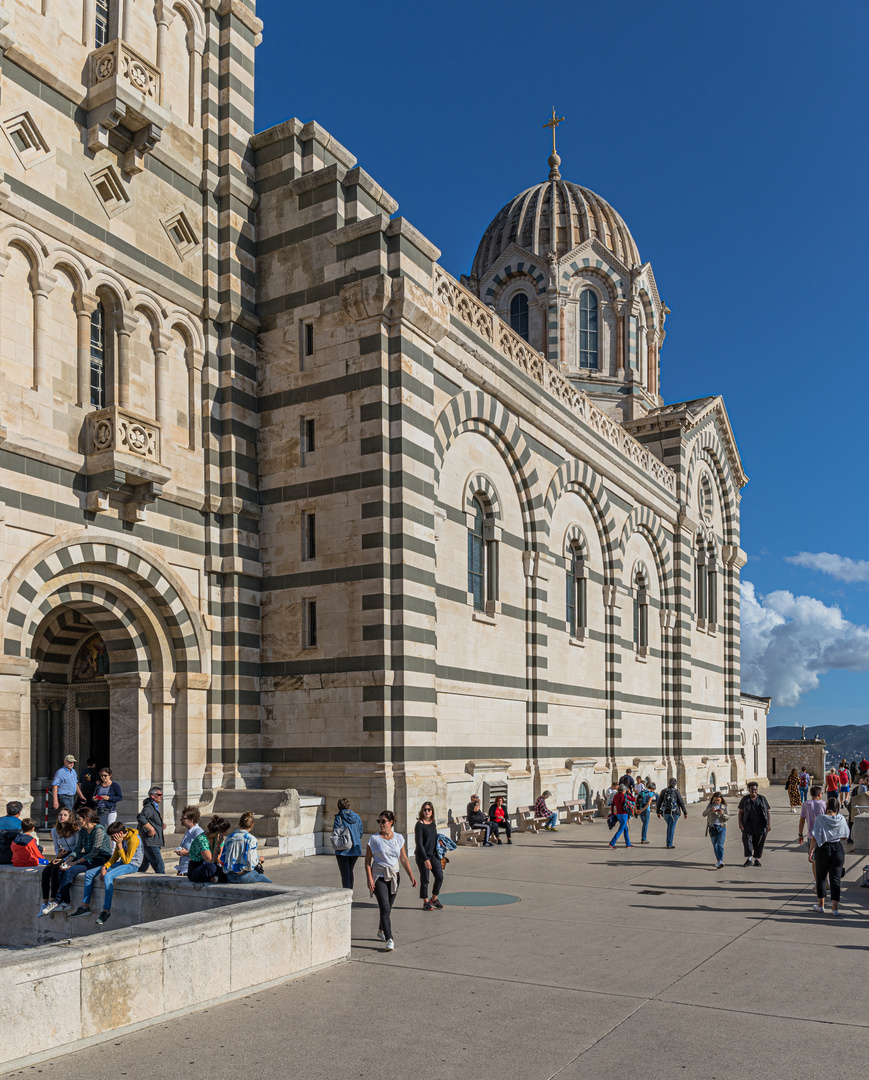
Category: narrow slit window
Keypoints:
(576, 592)
(641, 613)
(306, 344)
(309, 434)
(477, 559)
(309, 536)
(310, 628)
(98, 358)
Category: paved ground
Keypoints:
(721, 974)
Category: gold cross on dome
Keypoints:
(553, 123)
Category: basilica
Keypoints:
(284, 505)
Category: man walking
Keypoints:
(627, 780)
(65, 786)
(754, 821)
(151, 830)
(670, 805)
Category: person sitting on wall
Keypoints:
(190, 820)
(125, 859)
(26, 850)
(239, 857)
(204, 866)
(500, 819)
(93, 849)
(64, 835)
(478, 820)
(542, 810)
(10, 827)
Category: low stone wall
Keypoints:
(204, 945)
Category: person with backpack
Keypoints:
(623, 808)
(716, 826)
(827, 836)
(425, 835)
(204, 867)
(754, 822)
(670, 806)
(646, 801)
(805, 780)
(346, 841)
(239, 857)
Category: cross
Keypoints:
(553, 123)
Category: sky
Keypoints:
(732, 139)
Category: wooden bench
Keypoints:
(578, 813)
(528, 819)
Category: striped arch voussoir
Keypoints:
(708, 449)
(479, 485)
(516, 269)
(578, 476)
(24, 616)
(643, 520)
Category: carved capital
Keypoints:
(85, 303)
(126, 322)
(41, 282)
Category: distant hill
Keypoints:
(847, 741)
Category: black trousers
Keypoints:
(505, 825)
(752, 843)
(437, 872)
(204, 873)
(829, 859)
(385, 899)
(51, 876)
(345, 869)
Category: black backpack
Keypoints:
(667, 803)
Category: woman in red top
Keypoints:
(500, 818)
(832, 783)
(623, 808)
(844, 781)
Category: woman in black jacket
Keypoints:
(425, 836)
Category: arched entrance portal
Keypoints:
(112, 650)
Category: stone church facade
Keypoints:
(284, 504)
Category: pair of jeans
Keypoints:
(804, 794)
(553, 820)
(72, 873)
(249, 877)
(436, 872)
(671, 820)
(717, 836)
(385, 899)
(345, 869)
(623, 828)
(114, 872)
(66, 800)
(152, 856)
(829, 859)
(752, 843)
(645, 815)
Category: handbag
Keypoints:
(341, 838)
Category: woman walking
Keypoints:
(203, 868)
(425, 836)
(64, 836)
(623, 808)
(792, 785)
(383, 856)
(829, 855)
(716, 826)
(347, 819)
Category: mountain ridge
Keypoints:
(849, 741)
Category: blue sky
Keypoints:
(732, 139)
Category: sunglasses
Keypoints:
(383, 821)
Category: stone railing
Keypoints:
(489, 326)
(118, 60)
(121, 431)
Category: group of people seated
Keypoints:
(493, 822)
(85, 844)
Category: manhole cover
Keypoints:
(652, 892)
(478, 899)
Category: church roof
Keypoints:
(688, 409)
(578, 214)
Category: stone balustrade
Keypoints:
(120, 430)
(483, 321)
(116, 60)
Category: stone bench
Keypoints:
(578, 814)
(470, 834)
(528, 819)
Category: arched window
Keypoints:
(757, 756)
(641, 613)
(482, 561)
(102, 18)
(705, 497)
(519, 314)
(588, 330)
(98, 357)
(583, 795)
(577, 592)
(711, 586)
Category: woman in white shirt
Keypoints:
(384, 854)
(829, 831)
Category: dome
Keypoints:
(580, 215)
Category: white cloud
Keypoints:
(838, 566)
(788, 641)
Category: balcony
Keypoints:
(122, 462)
(124, 103)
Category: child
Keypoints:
(25, 848)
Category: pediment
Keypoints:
(514, 253)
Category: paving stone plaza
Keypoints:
(641, 959)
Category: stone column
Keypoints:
(88, 22)
(165, 15)
(190, 762)
(127, 22)
(131, 738)
(85, 306)
(57, 737)
(161, 343)
(48, 8)
(162, 772)
(195, 48)
(621, 330)
(43, 745)
(41, 285)
(15, 676)
(125, 323)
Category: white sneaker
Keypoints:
(381, 935)
(390, 945)
(817, 907)
(63, 907)
(48, 908)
